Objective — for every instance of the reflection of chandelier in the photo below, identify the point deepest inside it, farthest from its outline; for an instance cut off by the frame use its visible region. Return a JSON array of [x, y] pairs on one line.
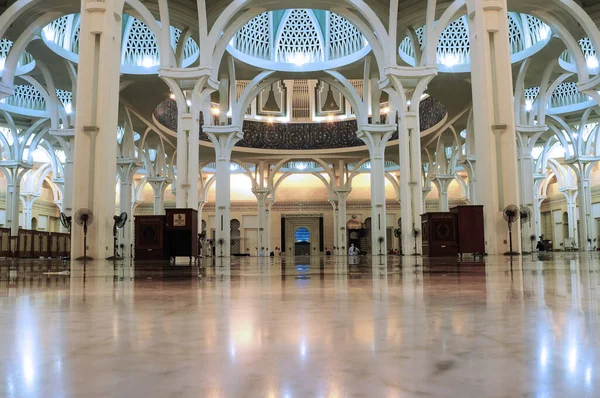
[[354, 223]]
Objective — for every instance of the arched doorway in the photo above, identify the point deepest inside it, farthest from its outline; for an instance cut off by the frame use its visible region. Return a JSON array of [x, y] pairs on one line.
[[302, 242]]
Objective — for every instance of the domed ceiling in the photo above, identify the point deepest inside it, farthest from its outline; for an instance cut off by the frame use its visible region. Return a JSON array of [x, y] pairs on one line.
[[298, 40]]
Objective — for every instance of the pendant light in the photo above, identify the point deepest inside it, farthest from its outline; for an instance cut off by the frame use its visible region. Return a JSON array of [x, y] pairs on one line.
[[330, 104], [271, 104]]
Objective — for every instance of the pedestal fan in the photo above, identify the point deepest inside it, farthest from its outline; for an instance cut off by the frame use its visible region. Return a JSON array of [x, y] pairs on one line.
[[511, 214], [119, 222], [84, 217], [66, 223], [415, 233]]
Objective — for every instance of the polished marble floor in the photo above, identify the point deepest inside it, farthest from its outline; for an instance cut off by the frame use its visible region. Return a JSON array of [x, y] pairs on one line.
[[302, 327]]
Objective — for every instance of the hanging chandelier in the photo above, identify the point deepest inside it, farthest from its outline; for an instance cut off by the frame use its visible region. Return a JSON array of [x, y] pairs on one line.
[[330, 104], [271, 104]]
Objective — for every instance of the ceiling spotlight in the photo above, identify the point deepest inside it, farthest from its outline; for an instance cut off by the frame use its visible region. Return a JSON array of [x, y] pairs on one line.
[[172, 96], [330, 118], [385, 110], [270, 119], [271, 104], [215, 111], [330, 104]]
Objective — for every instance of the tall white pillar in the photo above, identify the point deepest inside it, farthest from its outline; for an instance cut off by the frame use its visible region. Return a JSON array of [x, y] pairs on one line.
[[27, 200], [126, 169], [571, 196], [342, 218], [223, 139], [261, 198], [583, 168], [14, 176], [333, 200], [443, 182], [375, 137], [493, 120], [96, 123], [159, 186]]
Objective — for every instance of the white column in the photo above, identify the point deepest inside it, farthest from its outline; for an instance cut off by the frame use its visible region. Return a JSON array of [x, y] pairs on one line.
[[376, 137], [126, 169], [159, 186], [342, 218], [443, 184], [96, 124], [571, 196], [494, 119], [184, 125], [261, 199], [583, 169], [13, 175], [223, 139], [27, 200], [336, 228]]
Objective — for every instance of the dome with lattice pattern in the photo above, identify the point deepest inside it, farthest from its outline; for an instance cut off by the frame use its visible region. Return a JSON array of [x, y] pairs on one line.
[[298, 40], [139, 50], [527, 35]]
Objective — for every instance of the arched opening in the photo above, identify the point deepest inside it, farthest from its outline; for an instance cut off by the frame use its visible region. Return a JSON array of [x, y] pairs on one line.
[[302, 241]]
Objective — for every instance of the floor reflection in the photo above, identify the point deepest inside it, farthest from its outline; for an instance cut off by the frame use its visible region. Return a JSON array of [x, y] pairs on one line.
[[303, 326]]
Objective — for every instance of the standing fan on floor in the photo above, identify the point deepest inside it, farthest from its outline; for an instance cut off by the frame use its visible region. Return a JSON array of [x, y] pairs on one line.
[[119, 222], [66, 221], [84, 217], [511, 215], [415, 233]]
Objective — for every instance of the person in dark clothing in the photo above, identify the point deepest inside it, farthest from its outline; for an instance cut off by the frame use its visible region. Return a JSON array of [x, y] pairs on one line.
[[540, 246], [272, 254]]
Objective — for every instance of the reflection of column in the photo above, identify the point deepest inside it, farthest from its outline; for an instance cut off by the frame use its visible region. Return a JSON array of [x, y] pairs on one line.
[[376, 137], [223, 139], [493, 119], [96, 124]]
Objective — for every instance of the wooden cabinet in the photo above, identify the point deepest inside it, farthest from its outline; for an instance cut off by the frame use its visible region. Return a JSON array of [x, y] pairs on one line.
[[149, 237], [471, 236], [439, 234], [182, 232]]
